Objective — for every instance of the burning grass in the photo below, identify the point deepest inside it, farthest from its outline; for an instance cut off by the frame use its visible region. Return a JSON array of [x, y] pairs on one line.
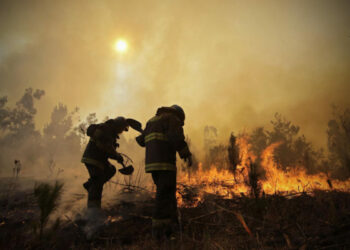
[[253, 175], [257, 204]]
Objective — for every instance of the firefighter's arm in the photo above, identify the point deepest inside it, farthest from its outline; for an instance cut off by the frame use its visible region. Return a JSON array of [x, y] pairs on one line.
[[141, 139], [177, 139], [107, 144]]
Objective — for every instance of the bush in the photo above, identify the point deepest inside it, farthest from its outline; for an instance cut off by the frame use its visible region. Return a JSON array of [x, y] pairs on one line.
[[47, 197]]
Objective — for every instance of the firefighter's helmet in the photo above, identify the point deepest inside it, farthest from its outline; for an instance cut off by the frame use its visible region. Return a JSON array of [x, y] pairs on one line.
[[180, 111], [121, 124]]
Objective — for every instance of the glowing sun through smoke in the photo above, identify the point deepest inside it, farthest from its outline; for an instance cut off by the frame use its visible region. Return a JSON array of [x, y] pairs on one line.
[[121, 46]]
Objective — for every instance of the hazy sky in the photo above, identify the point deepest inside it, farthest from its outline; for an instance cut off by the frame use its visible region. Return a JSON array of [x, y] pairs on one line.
[[230, 64]]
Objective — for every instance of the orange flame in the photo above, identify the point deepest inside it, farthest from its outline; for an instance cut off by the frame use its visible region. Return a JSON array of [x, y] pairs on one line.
[[227, 184]]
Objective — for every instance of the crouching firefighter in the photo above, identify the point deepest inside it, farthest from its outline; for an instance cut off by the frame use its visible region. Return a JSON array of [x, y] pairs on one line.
[[101, 147], [163, 137]]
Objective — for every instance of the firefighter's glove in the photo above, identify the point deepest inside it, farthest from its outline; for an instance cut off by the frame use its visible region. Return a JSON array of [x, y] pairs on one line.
[[189, 160], [141, 140], [119, 158]]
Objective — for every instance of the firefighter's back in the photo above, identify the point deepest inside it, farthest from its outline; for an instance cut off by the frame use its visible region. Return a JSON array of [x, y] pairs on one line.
[[160, 154]]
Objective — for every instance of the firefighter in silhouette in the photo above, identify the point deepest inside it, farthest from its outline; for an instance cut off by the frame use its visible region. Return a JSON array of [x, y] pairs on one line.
[[101, 147], [163, 137]]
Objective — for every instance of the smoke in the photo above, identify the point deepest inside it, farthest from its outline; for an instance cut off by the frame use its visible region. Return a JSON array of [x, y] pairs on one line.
[[29, 155], [230, 64]]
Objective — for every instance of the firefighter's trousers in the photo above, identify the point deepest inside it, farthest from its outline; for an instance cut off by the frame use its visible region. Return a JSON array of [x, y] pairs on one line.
[[98, 177], [165, 211]]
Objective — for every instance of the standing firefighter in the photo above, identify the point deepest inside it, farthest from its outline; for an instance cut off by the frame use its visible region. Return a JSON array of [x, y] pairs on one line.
[[101, 147], [163, 137]]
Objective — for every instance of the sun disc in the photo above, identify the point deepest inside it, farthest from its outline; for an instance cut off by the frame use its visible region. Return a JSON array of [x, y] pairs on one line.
[[121, 46]]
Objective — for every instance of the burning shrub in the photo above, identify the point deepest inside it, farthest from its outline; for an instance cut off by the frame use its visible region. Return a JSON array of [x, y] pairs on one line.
[[253, 180], [339, 142], [214, 154], [294, 150], [259, 140], [233, 153], [217, 156]]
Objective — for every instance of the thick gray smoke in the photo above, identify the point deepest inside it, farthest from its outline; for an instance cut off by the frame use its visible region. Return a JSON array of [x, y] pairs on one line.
[[230, 64]]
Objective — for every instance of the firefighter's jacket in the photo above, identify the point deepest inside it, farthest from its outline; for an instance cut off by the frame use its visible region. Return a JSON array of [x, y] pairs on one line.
[[163, 137], [102, 144]]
